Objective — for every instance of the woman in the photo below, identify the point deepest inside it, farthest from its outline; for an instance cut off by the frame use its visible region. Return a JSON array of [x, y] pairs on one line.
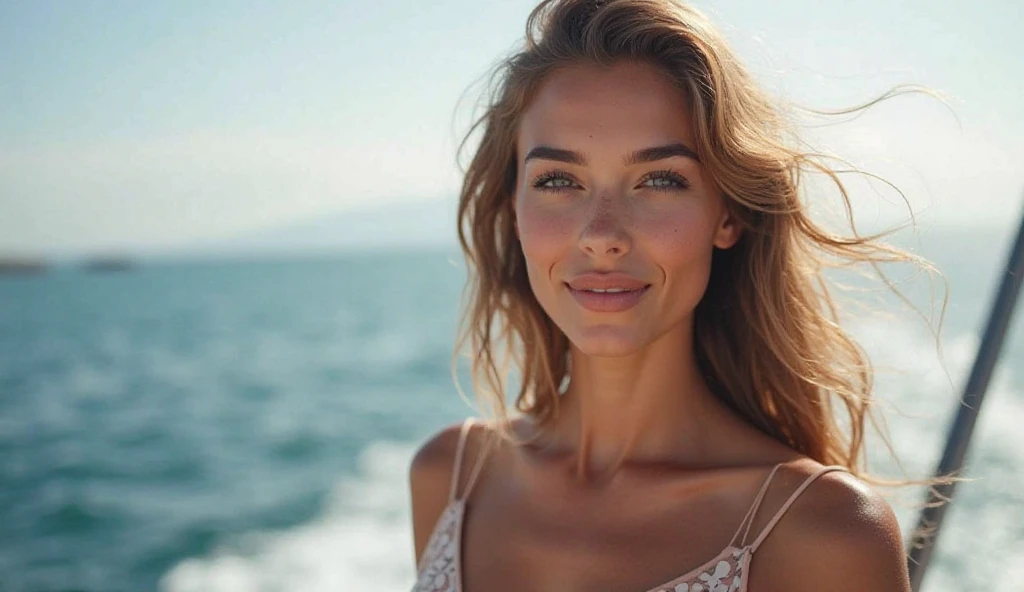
[[639, 250]]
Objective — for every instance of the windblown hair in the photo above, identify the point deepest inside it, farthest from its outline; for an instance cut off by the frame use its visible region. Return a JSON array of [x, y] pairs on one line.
[[767, 334]]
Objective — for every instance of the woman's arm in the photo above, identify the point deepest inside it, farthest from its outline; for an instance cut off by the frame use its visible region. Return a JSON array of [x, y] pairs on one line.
[[841, 536]]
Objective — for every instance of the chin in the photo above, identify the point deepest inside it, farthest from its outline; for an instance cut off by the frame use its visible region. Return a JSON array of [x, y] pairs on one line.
[[607, 341]]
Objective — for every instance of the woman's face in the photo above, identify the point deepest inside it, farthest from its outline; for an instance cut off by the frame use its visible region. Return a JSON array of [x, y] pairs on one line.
[[616, 217]]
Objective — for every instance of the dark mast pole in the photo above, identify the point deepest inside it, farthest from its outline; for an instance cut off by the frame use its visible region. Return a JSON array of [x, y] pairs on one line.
[[974, 393]]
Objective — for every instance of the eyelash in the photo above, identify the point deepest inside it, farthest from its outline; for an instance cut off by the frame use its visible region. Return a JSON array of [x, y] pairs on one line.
[[670, 175]]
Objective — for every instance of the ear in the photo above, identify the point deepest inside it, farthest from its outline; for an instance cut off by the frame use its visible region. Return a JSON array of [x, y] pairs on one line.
[[728, 231]]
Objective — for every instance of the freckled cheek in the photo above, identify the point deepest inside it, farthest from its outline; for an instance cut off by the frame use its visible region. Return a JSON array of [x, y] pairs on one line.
[[545, 235], [682, 246], [676, 240]]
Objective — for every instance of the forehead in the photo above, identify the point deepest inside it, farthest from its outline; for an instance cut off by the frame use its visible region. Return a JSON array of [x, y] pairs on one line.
[[627, 106]]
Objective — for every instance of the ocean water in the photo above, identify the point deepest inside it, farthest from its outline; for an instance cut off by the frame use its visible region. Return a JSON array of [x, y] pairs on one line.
[[247, 426]]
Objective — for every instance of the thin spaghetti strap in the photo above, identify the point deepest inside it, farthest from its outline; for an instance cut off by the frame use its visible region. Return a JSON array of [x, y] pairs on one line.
[[457, 468], [753, 507], [792, 498], [478, 465]]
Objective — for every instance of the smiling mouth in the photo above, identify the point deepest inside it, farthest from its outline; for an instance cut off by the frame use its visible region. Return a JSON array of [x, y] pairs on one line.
[[608, 299]]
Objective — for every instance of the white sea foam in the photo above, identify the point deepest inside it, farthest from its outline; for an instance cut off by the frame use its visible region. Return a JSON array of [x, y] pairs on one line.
[[361, 541]]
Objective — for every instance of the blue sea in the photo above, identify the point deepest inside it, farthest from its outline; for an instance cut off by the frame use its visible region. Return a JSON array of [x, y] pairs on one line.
[[247, 425]]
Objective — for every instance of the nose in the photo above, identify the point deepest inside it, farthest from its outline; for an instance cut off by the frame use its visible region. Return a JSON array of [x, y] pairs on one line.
[[604, 231]]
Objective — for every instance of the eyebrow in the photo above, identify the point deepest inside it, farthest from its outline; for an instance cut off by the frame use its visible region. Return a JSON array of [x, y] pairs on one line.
[[637, 157]]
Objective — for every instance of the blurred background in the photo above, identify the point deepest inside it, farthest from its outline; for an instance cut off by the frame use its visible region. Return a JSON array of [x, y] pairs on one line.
[[230, 280]]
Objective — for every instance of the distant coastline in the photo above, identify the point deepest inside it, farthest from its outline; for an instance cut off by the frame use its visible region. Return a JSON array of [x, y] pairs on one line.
[[108, 264], [32, 266], [22, 266]]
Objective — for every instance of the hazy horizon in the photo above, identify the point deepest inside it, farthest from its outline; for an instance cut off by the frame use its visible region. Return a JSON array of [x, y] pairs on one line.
[[133, 127]]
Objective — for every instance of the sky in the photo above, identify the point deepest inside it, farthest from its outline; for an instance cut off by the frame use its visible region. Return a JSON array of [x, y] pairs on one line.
[[144, 125]]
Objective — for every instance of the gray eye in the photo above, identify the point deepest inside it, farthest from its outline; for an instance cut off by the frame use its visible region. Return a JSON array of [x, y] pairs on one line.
[[660, 182], [558, 182], [665, 181]]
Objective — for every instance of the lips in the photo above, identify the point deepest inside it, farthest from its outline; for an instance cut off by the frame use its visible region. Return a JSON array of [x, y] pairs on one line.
[[606, 281], [607, 292]]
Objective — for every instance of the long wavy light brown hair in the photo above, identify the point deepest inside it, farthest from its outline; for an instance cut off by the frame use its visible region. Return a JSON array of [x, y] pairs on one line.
[[767, 334]]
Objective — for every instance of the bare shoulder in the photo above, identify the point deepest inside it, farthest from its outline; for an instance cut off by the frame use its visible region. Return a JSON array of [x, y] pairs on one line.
[[430, 475], [840, 534], [430, 480], [432, 465]]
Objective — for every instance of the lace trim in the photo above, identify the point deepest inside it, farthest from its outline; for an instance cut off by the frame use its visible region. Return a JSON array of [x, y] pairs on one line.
[[722, 574], [439, 569]]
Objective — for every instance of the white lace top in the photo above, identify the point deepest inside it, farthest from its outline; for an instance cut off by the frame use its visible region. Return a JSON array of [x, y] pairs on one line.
[[440, 568]]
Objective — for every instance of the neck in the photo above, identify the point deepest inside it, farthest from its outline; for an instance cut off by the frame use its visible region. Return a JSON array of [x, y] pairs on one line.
[[651, 406]]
